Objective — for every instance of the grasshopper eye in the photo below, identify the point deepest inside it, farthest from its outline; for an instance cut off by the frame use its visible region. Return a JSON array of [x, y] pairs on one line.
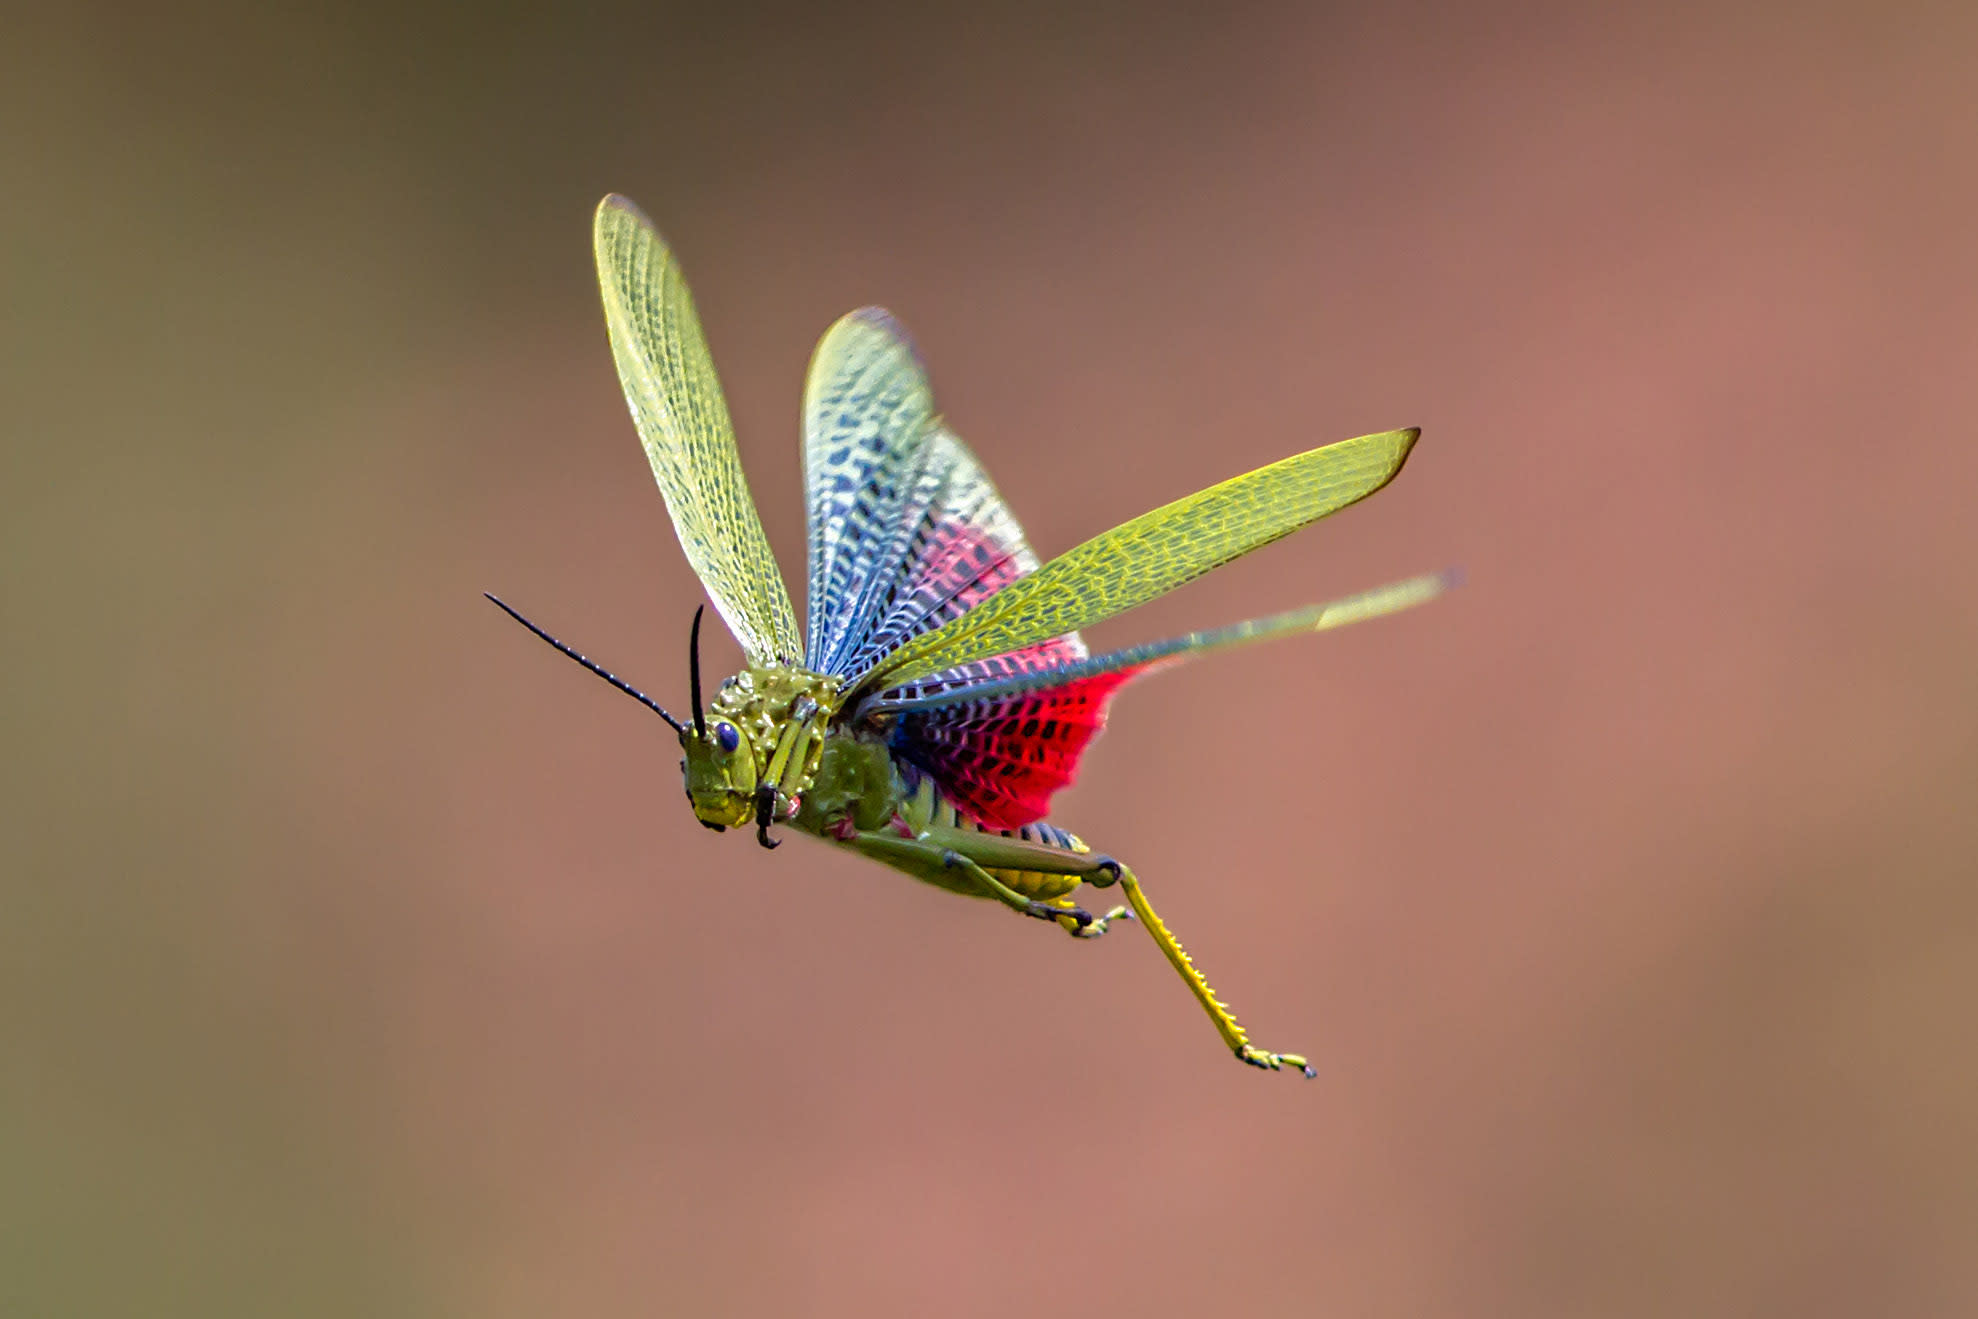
[[726, 737]]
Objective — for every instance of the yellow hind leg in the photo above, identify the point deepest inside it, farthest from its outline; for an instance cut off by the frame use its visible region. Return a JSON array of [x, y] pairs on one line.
[[939, 855], [1233, 1034]]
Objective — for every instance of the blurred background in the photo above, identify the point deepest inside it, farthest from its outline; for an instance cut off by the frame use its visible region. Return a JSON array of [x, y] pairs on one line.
[[359, 955]]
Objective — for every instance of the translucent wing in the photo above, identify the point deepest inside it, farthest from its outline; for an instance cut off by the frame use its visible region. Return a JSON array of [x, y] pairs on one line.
[[962, 686], [906, 529], [868, 480], [1151, 555], [965, 546], [1001, 737], [676, 403]]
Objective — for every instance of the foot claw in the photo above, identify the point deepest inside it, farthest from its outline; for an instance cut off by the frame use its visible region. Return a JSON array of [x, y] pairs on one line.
[[1274, 1062], [1044, 911], [1100, 924]]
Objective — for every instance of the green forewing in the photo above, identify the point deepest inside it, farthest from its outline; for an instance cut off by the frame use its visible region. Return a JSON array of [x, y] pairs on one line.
[[1153, 554], [676, 402]]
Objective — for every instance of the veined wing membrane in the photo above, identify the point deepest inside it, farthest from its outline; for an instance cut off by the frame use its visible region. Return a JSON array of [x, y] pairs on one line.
[[1135, 660], [867, 416], [676, 403], [1146, 558]]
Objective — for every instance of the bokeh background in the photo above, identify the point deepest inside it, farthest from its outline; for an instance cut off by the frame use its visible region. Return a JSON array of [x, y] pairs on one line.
[[359, 956]]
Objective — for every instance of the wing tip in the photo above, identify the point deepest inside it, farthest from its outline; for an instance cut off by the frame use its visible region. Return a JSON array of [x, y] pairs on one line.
[[619, 203], [1384, 452], [617, 221], [884, 322], [1404, 444], [1397, 442]]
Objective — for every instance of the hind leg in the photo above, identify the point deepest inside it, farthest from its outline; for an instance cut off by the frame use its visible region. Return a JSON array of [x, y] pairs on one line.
[[947, 852], [1233, 1034]]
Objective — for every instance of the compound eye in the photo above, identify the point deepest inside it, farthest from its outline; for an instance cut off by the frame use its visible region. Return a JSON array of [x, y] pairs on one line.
[[726, 737]]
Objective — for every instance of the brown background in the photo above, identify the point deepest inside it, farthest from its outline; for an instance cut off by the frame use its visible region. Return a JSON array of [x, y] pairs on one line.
[[359, 956]]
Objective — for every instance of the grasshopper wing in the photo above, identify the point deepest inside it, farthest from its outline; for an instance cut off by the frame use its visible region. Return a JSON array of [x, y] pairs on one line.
[[1151, 555], [676, 402], [906, 529], [1003, 735], [996, 681], [870, 475]]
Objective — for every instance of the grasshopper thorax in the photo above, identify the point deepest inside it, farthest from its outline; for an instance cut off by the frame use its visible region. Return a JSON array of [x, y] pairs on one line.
[[756, 750]]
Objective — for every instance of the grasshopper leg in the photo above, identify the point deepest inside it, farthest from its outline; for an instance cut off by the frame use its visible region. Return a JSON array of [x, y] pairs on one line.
[[1225, 1021], [1061, 909], [1074, 919], [950, 851], [1227, 1026], [1094, 926], [977, 856]]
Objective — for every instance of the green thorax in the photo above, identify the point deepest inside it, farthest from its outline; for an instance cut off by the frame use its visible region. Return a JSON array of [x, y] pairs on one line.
[[856, 787], [762, 701], [778, 716]]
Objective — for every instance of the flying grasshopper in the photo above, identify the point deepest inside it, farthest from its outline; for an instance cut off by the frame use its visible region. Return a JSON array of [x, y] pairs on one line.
[[943, 694]]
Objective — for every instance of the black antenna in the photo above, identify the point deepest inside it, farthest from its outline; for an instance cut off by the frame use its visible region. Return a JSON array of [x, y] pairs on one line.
[[694, 670], [598, 669]]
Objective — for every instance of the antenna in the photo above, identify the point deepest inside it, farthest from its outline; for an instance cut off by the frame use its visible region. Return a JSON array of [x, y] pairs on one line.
[[601, 671], [694, 671]]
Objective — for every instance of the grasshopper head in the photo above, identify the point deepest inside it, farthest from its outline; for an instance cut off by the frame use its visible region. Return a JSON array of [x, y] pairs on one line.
[[762, 742], [720, 764], [720, 770], [754, 754]]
